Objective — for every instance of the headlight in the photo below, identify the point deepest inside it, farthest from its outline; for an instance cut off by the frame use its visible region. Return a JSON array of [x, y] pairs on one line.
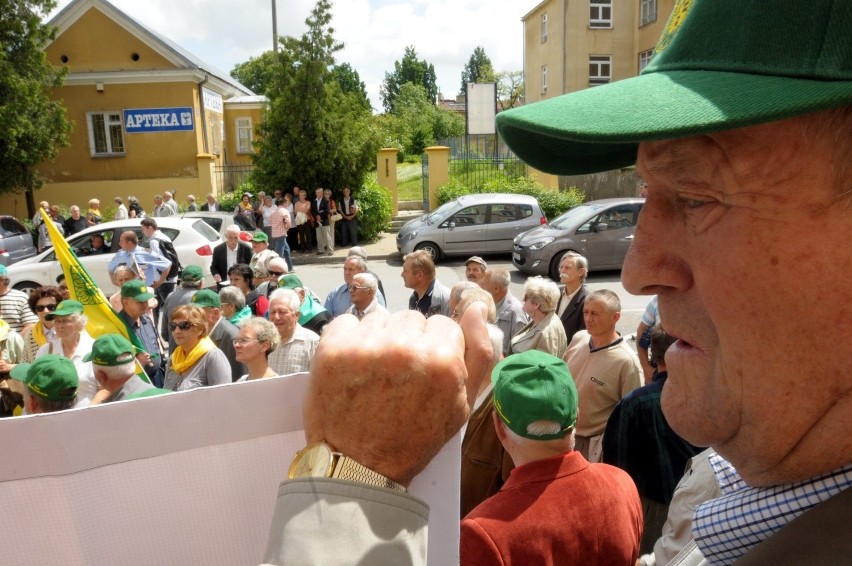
[[410, 236], [541, 243]]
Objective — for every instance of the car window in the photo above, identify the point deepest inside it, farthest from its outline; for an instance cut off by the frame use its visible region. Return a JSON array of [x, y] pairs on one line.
[[526, 210], [214, 221], [11, 227], [503, 213], [622, 216], [82, 246], [574, 215], [205, 230], [470, 216], [442, 211]]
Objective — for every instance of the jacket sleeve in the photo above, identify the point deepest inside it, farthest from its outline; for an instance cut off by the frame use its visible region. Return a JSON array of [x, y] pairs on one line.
[[477, 548]]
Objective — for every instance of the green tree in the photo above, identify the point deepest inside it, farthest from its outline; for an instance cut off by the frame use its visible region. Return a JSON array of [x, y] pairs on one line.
[[416, 122], [477, 70], [510, 88], [409, 70], [350, 83], [315, 134], [32, 126], [257, 72]]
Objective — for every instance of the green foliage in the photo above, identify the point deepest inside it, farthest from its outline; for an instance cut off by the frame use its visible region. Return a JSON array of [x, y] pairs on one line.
[[510, 88], [409, 70], [375, 209], [350, 83], [315, 134], [553, 202], [32, 126], [477, 70], [416, 122], [257, 72]]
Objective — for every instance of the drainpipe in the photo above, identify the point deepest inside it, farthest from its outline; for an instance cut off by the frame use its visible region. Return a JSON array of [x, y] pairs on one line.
[[203, 115]]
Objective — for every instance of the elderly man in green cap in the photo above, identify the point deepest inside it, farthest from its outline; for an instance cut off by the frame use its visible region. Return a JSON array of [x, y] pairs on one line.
[[50, 384], [741, 127], [135, 295], [312, 315], [262, 254], [219, 329], [113, 360]]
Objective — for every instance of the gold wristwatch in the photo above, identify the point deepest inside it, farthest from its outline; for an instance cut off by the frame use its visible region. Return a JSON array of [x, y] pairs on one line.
[[318, 460]]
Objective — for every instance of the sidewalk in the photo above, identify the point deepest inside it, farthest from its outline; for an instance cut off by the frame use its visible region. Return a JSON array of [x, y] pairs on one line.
[[382, 249]]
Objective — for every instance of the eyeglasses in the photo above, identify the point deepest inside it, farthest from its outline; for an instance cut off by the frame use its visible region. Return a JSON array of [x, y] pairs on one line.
[[42, 308], [244, 341], [356, 287], [276, 273], [185, 325]]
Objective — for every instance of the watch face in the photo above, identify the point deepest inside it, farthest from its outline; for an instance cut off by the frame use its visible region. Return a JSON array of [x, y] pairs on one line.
[[313, 461]]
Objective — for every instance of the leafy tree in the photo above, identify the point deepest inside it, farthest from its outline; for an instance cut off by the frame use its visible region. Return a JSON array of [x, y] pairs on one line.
[[32, 126], [510, 88], [409, 70], [416, 122], [477, 70], [315, 134], [350, 83], [256, 73]]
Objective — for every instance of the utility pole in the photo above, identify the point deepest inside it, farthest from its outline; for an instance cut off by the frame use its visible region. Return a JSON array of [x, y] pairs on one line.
[[274, 29]]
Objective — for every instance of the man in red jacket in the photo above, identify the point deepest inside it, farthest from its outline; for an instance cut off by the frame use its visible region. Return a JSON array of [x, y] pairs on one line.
[[556, 508]]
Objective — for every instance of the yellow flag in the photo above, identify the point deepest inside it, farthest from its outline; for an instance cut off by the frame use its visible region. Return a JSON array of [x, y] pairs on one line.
[[102, 319]]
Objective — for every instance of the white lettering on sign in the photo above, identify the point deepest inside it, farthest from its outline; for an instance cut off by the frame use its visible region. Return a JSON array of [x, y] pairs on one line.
[[212, 100]]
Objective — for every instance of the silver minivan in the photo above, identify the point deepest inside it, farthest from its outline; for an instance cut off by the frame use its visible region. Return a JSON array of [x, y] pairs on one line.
[[471, 225], [600, 230], [16, 242]]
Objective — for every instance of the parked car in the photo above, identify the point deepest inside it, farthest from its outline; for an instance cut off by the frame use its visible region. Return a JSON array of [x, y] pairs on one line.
[[193, 239], [600, 230], [471, 224], [219, 221], [16, 242]]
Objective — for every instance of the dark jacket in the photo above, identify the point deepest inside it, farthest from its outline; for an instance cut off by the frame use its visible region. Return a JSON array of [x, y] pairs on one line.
[[572, 318], [219, 265], [320, 213]]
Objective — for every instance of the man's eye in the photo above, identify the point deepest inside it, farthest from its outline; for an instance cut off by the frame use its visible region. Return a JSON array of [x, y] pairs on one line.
[[695, 203]]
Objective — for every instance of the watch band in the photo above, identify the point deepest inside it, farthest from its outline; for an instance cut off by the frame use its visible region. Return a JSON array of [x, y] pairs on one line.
[[348, 469]]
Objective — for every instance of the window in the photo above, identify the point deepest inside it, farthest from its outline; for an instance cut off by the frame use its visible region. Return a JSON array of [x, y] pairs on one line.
[[106, 136], [503, 213], [470, 216], [600, 69], [645, 58], [600, 13], [544, 27], [215, 126], [244, 135], [543, 79], [647, 12]]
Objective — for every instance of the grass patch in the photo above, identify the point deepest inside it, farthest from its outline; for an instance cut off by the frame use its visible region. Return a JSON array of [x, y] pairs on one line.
[[409, 177]]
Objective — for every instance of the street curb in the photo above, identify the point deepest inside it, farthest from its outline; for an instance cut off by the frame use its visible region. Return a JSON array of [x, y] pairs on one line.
[[383, 249]]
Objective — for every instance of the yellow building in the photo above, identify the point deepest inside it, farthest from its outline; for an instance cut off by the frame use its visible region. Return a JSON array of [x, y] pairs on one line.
[[148, 116]]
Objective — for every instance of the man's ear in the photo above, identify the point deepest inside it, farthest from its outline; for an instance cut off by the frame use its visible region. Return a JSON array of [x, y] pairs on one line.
[[498, 426]]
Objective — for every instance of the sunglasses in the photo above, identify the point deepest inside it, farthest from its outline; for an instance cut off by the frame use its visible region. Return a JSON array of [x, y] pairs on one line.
[[42, 308], [276, 273], [185, 325]]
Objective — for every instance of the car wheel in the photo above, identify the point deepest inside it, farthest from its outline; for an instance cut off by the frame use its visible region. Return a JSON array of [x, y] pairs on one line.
[[432, 249], [26, 286]]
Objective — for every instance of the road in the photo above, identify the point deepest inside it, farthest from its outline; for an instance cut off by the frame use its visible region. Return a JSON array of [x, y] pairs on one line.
[[323, 278]]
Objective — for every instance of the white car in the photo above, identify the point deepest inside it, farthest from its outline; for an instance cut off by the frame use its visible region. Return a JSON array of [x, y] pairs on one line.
[[193, 239]]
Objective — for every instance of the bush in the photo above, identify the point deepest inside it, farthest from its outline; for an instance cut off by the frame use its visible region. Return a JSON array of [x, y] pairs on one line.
[[375, 209], [553, 202]]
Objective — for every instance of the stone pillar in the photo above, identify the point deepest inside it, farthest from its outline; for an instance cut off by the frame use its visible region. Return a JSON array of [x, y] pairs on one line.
[[386, 173], [439, 171]]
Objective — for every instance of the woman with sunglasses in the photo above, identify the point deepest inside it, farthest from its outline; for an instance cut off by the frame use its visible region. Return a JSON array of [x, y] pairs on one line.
[[196, 361], [256, 340], [42, 302], [544, 331], [241, 276], [73, 342]]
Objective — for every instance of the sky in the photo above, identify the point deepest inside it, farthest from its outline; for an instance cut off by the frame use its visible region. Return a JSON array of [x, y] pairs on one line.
[[374, 32]]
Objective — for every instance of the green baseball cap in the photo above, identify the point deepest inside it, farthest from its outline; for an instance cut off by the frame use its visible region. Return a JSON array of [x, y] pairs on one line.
[[290, 281], [137, 290], [3, 270], [66, 307], [260, 237], [111, 350], [534, 386], [719, 65], [51, 377], [191, 273], [206, 298]]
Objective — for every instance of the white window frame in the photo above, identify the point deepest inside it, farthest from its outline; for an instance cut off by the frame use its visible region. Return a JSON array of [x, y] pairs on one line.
[[645, 58], [112, 123], [544, 79], [600, 69], [244, 144], [544, 27], [647, 12], [600, 14]]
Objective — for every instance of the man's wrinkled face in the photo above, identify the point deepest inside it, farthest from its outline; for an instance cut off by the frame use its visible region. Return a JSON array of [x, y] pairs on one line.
[[134, 308], [569, 274], [211, 199], [232, 238], [350, 268], [410, 277], [598, 319], [738, 229], [283, 318], [474, 272]]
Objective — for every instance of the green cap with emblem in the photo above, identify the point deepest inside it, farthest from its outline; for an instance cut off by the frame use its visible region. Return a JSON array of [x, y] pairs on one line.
[[191, 274], [534, 386], [206, 298], [111, 350], [137, 290], [260, 237], [719, 65], [51, 377], [66, 307]]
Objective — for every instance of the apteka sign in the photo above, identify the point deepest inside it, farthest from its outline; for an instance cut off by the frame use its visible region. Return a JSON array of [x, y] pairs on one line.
[[139, 120]]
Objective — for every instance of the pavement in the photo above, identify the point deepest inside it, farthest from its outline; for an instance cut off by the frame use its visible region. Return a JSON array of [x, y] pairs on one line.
[[383, 248]]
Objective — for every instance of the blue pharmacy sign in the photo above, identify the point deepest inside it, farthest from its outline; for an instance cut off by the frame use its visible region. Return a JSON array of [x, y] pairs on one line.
[[141, 120]]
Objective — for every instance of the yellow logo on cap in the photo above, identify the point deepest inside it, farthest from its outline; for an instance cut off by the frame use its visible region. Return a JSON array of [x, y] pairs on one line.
[[679, 13]]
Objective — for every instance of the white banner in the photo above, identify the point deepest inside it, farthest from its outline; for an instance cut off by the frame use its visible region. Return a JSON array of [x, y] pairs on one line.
[[183, 478]]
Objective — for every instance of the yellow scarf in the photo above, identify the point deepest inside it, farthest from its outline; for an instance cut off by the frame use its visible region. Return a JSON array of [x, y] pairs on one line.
[[38, 334], [181, 361], [246, 206], [96, 214], [4, 329]]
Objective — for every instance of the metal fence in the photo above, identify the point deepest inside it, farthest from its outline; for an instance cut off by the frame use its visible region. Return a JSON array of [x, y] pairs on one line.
[[228, 178], [474, 160]]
